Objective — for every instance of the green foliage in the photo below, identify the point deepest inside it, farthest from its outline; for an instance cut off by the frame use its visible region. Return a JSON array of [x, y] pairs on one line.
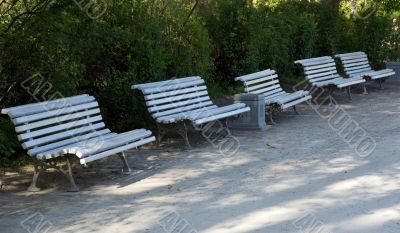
[[140, 41]]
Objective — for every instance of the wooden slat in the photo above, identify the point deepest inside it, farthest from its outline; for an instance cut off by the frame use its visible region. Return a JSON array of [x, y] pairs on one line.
[[256, 75], [165, 83], [222, 116], [178, 104], [91, 147], [53, 113], [47, 106], [174, 92], [216, 111], [57, 128], [176, 86], [260, 80], [273, 83], [117, 150], [177, 98], [65, 142], [183, 115], [57, 120], [62, 135]]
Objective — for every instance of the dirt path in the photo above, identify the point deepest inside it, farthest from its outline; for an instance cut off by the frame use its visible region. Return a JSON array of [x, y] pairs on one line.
[[300, 176]]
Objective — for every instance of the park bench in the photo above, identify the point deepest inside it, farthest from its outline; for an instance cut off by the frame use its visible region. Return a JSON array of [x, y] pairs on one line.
[[357, 65], [174, 103], [321, 72], [56, 131], [267, 83]]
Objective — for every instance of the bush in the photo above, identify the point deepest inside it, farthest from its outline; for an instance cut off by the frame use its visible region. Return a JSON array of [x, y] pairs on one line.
[[139, 41]]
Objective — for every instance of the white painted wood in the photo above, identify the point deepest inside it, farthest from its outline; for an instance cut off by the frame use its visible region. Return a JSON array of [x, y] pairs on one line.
[[182, 109], [48, 106], [58, 128], [183, 115], [174, 92], [56, 120], [62, 135], [61, 144], [176, 98], [257, 75], [158, 89], [222, 116], [178, 104], [165, 83], [296, 102], [92, 147], [357, 64], [271, 85], [53, 113], [117, 150]]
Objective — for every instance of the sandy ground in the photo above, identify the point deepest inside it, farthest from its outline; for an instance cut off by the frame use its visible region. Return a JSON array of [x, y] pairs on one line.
[[299, 176]]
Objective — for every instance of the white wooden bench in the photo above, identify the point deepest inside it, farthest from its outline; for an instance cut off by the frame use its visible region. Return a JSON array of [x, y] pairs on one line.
[[55, 130], [357, 65], [173, 103], [321, 72], [267, 83]]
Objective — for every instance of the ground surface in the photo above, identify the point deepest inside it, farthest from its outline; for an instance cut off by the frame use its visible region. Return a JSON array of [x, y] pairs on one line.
[[299, 176]]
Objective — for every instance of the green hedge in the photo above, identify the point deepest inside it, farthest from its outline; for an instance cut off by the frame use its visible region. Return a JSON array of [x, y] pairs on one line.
[[142, 41]]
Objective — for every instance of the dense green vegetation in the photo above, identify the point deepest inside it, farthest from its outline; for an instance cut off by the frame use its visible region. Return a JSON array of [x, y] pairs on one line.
[[106, 47]]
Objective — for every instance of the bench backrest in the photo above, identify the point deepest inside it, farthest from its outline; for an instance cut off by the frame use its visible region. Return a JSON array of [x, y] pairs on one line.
[[319, 69], [56, 123], [264, 82], [354, 63], [175, 96]]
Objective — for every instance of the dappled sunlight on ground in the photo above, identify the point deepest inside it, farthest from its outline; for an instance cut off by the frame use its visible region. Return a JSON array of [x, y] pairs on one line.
[[297, 176]]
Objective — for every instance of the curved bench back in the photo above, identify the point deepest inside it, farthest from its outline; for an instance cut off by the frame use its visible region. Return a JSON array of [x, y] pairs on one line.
[[354, 63], [264, 82], [175, 96], [48, 125], [319, 69]]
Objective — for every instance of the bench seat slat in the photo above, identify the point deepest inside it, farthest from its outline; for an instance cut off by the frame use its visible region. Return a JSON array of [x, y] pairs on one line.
[[69, 141], [222, 115], [183, 115], [182, 109], [62, 135], [100, 144], [117, 150]]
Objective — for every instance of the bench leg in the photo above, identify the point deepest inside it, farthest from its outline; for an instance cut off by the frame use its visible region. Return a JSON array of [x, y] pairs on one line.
[[161, 134], [33, 187], [295, 110], [330, 94], [180, 129], [269, 114], [126, 169], [380, 84], [348, 90], [184, 133], [365, 91], [68, 174]]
